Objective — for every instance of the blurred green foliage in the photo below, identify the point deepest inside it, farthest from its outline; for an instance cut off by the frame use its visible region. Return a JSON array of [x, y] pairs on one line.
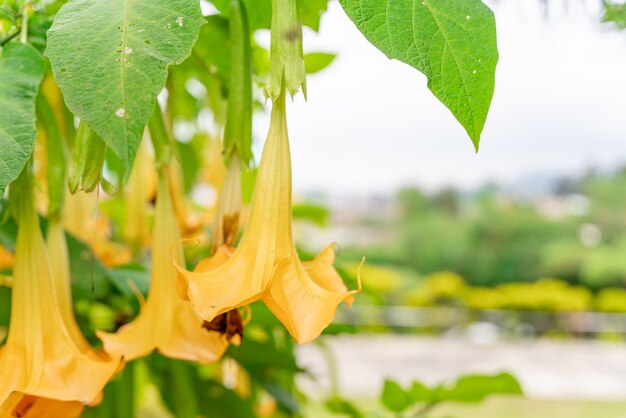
[[419, 400], [615, 13], [577, 232]]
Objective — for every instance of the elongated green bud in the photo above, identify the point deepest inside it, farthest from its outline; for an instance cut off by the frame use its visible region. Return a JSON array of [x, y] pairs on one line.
[[238, 129], [57, 156], [286, 57], [87, 160], [21, 196]]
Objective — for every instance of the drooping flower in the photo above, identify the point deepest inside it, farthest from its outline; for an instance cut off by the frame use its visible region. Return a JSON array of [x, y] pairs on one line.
[[303, 296], [166, 323], [27, 406], [45, 355]]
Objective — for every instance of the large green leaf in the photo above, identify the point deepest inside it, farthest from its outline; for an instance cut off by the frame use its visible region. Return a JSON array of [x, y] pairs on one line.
[[110, 59], [21, 71], [453, 42]]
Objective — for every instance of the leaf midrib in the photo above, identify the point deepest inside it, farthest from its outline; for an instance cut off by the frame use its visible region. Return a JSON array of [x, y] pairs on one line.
[[123, 71], [456, 62]]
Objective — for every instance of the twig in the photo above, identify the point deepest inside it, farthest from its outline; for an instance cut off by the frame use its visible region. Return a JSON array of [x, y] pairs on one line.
[[6, 40]]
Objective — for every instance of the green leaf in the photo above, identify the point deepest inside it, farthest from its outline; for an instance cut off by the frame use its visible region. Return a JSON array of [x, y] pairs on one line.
[[394, 397], [86, 269], [218, 402], [316, 61], [5, 306], [615, 13], [473, 389], [259, 12], [311, 12], [419, 393], [118, 398], [285, 398], [317, 214], [254, 354], [21, 71], [130, 278], [212, 48], [453, 42], [342, 407], [110, 59]]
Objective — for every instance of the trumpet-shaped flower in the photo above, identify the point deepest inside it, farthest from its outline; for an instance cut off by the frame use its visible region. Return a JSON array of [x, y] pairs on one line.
[[45, 355], [27, 406], [303, 296], [166, 323]]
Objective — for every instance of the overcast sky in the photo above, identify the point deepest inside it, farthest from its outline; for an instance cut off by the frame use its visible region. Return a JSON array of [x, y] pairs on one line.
[[371, 125]]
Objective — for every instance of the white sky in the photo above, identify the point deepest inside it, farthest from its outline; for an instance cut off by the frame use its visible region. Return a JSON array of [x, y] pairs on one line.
[[371, 125]]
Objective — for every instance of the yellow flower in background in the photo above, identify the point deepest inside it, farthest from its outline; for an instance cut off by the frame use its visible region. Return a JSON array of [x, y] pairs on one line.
[[45, 355], [138, 192], [188, 221], [226, 223], [214, 169], [166, 323], [6, 258], [303, 296], [82, 219]]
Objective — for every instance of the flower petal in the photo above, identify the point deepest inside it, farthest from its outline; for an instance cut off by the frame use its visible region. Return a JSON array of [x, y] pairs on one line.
[[305, 296], [244, 277]]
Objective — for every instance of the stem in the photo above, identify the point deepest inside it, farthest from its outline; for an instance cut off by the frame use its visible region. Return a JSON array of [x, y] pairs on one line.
[[160, 138], [24, 31], [6, 40], [421, 412], [333, 370]]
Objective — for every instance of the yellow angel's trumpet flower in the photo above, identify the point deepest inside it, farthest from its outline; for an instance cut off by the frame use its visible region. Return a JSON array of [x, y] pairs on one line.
[[303, 296], [45, 355], [27, 406], [166, 323]]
